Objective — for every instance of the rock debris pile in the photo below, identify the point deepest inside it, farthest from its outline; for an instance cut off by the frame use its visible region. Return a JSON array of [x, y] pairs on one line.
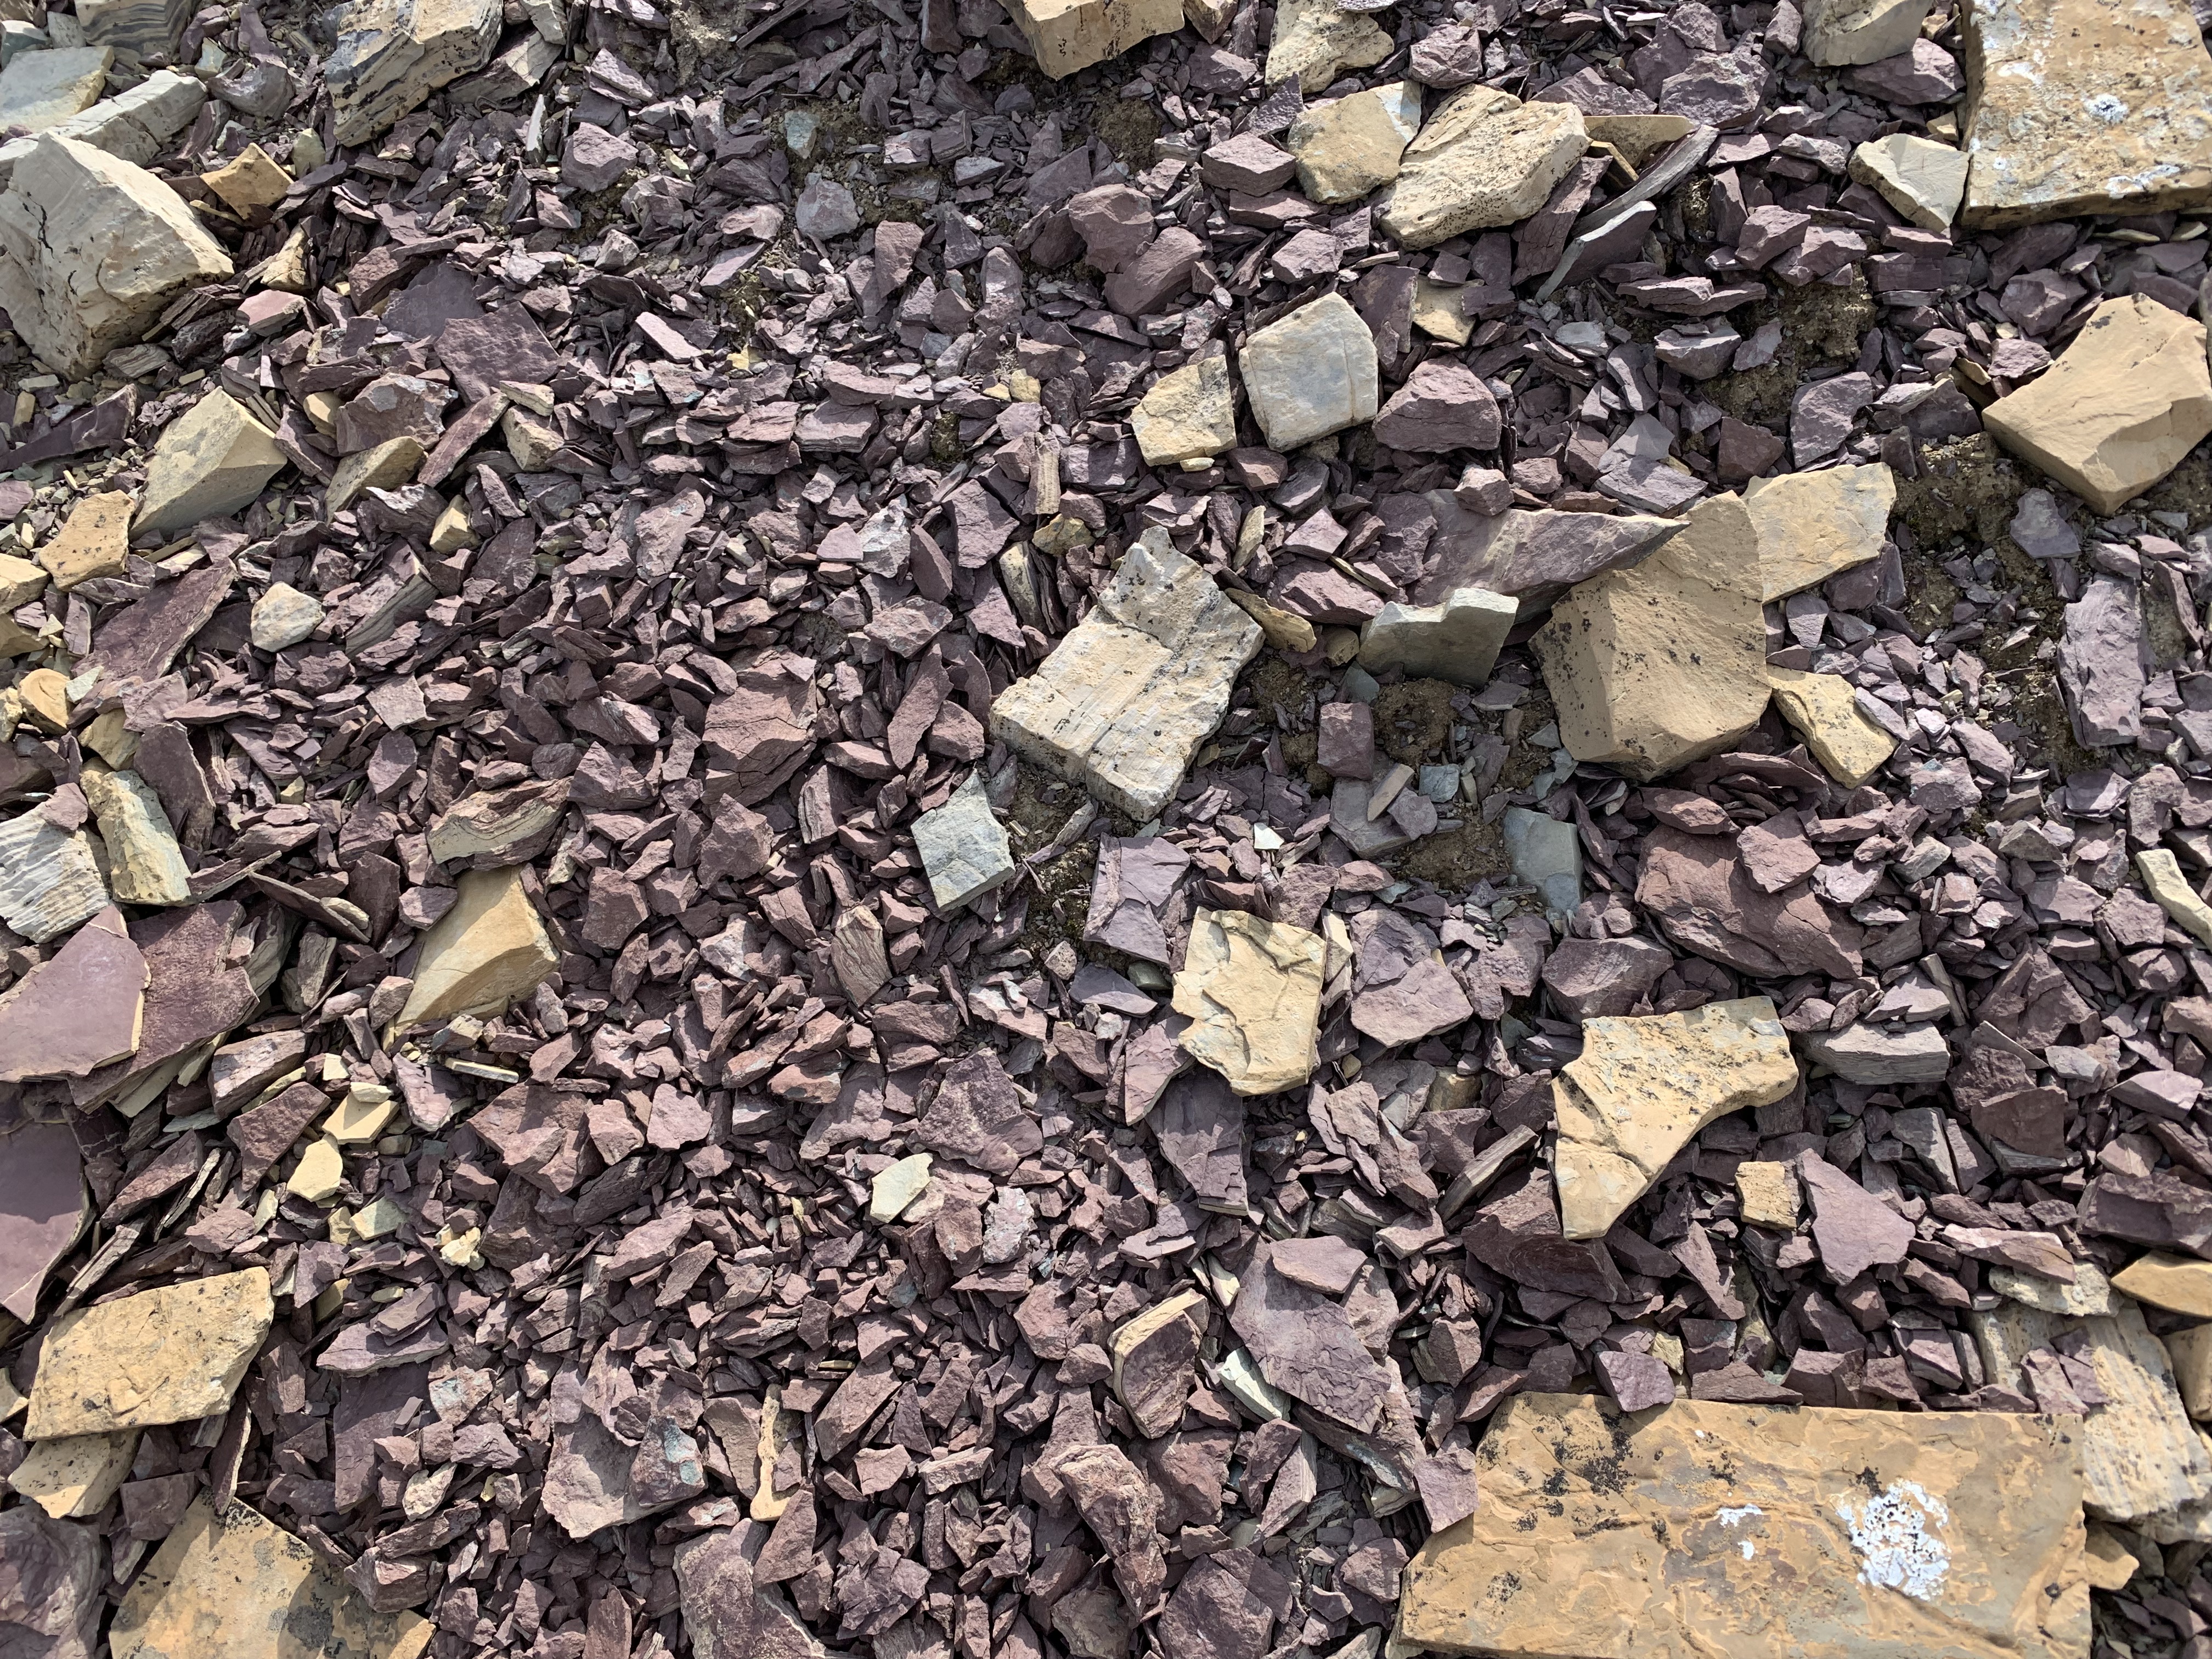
[[932, 830]]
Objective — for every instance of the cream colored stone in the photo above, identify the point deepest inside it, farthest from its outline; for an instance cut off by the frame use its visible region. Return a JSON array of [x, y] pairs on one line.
[[242, 1588], [2179, 1283], [1436, 311], [453, 531], [1838, 31], [211, 461], [93, 250], [1923, 180], [533, 442], [2127, 399], [317, 1176], [2143, 1462], [892, 1189], [1665, 662], [2162, 875], [1483, 159], [393, 54], [1813, 525], [1285, 630], [145, 865], [1311, 373], [1189, 414], [1636, 138], [282, 617], [21, 582], [2088, 1297], [44, 692], [1824, 710], [1067, 35], [1457, 639], [249, 180], [1125, 700], [390, 465], [2077, 107], [1766, 1195], [137, 125], [487, 950], [2110, 1564], [1642, 1087], [171, 1355], [42, 90], [1316, 42], [1252, 992], [1699, 1530], [73, 1478], [361, 1115], [2189, 1352], [1349, 146]]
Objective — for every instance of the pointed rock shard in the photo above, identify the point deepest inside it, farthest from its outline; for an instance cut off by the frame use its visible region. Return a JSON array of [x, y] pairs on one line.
[[49, 882], [1707, 1528], [93, 249], [1153, 1355], [1852, 1228], [1252, 992], [210, 460], [1642, 1087], [1483, 159], [2127, 399], [1126, 699], [163, 1355], [78, 1011], [1824, 710], [1311, 373], [393, 54], [1840, 32], [1813, 525], [483, 953]]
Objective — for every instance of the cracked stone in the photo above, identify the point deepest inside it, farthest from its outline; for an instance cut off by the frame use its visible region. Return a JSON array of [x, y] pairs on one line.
[[1252, 991], [1483, 159]]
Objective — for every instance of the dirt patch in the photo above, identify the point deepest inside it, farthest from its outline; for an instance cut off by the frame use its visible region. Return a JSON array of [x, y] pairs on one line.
[[1457, 858], [1130, 127], [1414, 721], [2187, 489], [1968, 490], [1930, 592], [1279, 691], [1821, 327]]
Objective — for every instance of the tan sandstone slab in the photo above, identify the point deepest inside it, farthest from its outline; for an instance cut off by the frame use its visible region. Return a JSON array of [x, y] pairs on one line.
[[1824, 710], [145, 865], [1252, 992], [239, 1586], [210, 460], [1188, 415], [1067, 35], [2180, 1283], [2127, 399], [1350, 146], [72, 1479], [1698, 1530], [1642, 1087], [1664, 663], [94, 541], [1125, 699], [1485, 159], [1316, 42], [170, 1355], [487, 950], [2079, 107], [1813, 525], [393, 54]]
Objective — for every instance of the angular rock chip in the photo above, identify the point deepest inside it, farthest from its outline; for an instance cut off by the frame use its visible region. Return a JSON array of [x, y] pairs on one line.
[[42, 90], [2126, 400], [1874, 1054], [145, 865], [50, 1585], [1153, 1355], [393, 54], [1923, 179], [1307, 1346], [1311, 373], [1852, 1228], [93, 250], [1252, 992], [495, 828], [1121, 1508], [1316, 42], [1350, 146], [136, 126], [72, 1479], [1442, 406], [1813, 525], [1067, 35], [1841, 31], [94, 541], [1824, 710], [168, 1355], [977, 1116], [211, 461], [1456, 639], [1188, 415], [44, 1210], [1707, 1528], [78, 1011], [1126, 697], [1484, 159], [1534, 557], [1642, 1087], [489, 948], [963, 847]]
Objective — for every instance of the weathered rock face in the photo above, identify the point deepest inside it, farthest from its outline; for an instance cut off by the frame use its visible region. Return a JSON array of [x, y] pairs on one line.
[[1824, 710], [135, 125], [1641, 1088], [2126, 401], [1153, 1355], [94, 541], [163, 1355], [1350, 146], [1923, 179], [2180, 1283], [393, 54], [1457, 639], [91, 251], [1189, 414], [40, 90], [1838, 31], [1129, 694], [2075, 107], [1252, 992], [1663, 664], [1700, 1528], [1067, 35], [1311, 373], [487, 950], [1316, 42], [53, 1577], [1484, 159], [1813, 525], [211, 459], [136, 28]]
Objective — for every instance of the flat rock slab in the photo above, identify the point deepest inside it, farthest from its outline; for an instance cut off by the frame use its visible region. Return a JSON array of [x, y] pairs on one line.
[[42, 90], [2082, 107], [1124, 702], [486, 950], [393, 54], [1484, 159], [1311, 373], [1252, 992], [1813, 525], [171, 1355], [1699, 1528]]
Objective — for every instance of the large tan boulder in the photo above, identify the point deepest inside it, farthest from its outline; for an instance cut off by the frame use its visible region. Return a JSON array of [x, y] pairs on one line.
[[93, 249], [171, 1355], [2123, 403], [481, 954], [1485, 159], [1813, 525], [1664, 663]]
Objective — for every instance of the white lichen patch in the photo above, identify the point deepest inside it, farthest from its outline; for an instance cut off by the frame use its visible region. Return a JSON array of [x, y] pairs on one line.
[[1891, 1535]]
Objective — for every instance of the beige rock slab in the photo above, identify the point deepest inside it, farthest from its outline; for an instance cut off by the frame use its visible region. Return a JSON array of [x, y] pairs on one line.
[[1824, 710], [49, 880], [1067, 35], [393, 54], [211, 461], [1767, 1194], [1125, 700], [1316, 42], [2191, 1353], [2077, 107], [390, 465], [170, 1355], [2127, 399], [95, 541], [2176, 895], [1483, 159], [239, 1587], [73, 1478], [2180, 1283], [1700, 1530], [1350, 146], [1838, 32], [145, 865], [1436, 311], [1642, 1087], [894, 1188], [250, 180], [1457, 639], [136, 126], [2144, 1464], [1311, 373], [316, 1177], [1663, 663], [42, 90], [2110, 1563], [1189, 414], [1252, 992], [93, 249], [1813, 525], [1923, 179], [487, 950], [21, 582]]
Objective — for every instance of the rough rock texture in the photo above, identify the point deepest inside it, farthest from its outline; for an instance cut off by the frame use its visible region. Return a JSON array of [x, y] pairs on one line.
[[1456, 639], [1813, 525], [1066, 35], [2124, 402], [1641, 1088], [486, 950], [211, 461], [40, 90], [1840, 32], [1317, 41], [1349, 146], [1484, 158], [1128, 696], [1704, 1527], [1252, 992], [393, 54], [1923, 179], [93, 249], [162, 1355], [1311, 373], [962, 847], [1823, 709], [1188, 415], [2078, 108]]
